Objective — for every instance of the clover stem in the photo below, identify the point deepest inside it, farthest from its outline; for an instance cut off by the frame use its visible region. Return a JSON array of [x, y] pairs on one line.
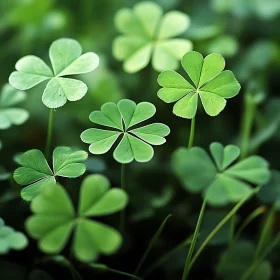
[[167, 256], [122, 214], [257, 212], [265, 232], [232, 229], [103, 267], [192, 133], [251, 269], [151, 244], [194, 239], [217, 228], [246, 124], [49, 136]]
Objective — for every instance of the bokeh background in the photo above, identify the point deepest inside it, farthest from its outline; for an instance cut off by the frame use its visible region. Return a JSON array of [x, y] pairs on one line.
[[245, 32]]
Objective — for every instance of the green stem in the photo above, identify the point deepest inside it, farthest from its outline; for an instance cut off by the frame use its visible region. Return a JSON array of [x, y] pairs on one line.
[[153, 241], [103, 267], [258, 211], [246, 124], [192, 133], [122, 217], [217, 228], [252, 268], [265, 232], [194, 239], [49, 137], [232, 229], [167, 256]]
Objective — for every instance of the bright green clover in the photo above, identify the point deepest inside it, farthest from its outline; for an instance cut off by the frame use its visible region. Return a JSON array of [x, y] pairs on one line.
[[66, 59], [148, 33], [35, 172], [10, 115], [11, 239], [206, 79], [121, 117], [54, 219], [219, 180]]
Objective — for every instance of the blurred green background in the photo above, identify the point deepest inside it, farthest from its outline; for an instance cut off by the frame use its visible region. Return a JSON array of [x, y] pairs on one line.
[[245, 32]]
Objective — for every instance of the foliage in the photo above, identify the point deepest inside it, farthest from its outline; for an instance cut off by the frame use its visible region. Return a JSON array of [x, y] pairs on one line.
[[54, 218], [11, 239], [208, 81], [239, 258], [148, 34], [35, 172], [134, 143], [10, 115], [66, 59], [219, 181]]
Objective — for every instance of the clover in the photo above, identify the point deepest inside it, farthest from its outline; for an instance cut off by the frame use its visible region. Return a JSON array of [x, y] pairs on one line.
[[149, 35], [11, 239], [35, 172], [122, 117], [206, 79], [66, 59], [220, 181], [55, 219], [10, 115]]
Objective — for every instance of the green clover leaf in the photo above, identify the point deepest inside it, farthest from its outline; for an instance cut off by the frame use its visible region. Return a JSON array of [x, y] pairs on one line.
[[207, 80], [10, 115], [148, 34], [54, 218], [121, 117], [35, 172], [11, 239], [66, 59], [220, 181], [238, 258]]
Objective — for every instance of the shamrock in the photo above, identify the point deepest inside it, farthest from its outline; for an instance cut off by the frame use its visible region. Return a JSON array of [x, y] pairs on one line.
[[11, 239], [220, 182], [208, 80], [54, 218], [10, 115], [35, 172], [134, 143], [147, 33], [66, 59]]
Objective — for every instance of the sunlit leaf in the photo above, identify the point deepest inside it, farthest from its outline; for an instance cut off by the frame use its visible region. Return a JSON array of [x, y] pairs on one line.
[[36, 173], [66, 59], [209, 82], [134, 143]]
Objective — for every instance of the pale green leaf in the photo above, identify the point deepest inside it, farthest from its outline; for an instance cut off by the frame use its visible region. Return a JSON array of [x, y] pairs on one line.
[[101, 140], [31, 71], [168, 53], [153, 133], [123, 153], [187, 106], [148, 15], [59, 90], [138, 60], [212, 103], [173, 24]]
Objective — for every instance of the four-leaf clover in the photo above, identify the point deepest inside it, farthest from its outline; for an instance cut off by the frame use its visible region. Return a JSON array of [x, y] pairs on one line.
[[66, 59], [220, 181], [11, 239], [147, 33], [10, 115], [54, 218], [135, 142], [35, 172], [207, 80]]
